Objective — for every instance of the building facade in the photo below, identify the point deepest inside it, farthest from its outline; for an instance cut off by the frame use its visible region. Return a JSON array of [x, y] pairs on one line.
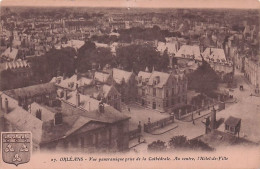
[[161, 91]]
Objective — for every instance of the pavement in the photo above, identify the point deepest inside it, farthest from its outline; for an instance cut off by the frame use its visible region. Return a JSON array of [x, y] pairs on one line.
[[250, 120]]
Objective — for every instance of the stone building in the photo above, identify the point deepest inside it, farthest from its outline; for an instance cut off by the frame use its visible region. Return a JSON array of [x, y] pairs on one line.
[[161, 91], [78, 124], [125, 83], [252, 71]]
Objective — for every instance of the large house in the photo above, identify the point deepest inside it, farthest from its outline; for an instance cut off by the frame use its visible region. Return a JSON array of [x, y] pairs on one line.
[[162, 91], [75, 123]]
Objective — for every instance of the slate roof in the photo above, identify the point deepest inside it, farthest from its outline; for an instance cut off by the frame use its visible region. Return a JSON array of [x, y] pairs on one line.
[[163, 78], [119, 75], [70, 83], [101, 77], [31, 91], [16, 64], [232, 121], [170, 46], [216, 55], [187, 51], [110, 114], [11, 54]]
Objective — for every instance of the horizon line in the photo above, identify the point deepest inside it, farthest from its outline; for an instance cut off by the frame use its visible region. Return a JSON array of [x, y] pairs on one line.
[[153, 4]]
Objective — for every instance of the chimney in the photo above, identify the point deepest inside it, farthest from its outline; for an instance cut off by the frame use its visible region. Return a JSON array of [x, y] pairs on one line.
[[6, 105], [213, 119], [101, 107], [65, 94], [77, 99]]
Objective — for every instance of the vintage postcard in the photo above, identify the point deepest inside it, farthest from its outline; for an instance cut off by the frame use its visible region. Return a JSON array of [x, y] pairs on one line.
[[130, 84]]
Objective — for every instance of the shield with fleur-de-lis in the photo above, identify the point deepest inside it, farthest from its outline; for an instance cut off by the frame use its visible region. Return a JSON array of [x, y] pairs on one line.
[[16, 147]]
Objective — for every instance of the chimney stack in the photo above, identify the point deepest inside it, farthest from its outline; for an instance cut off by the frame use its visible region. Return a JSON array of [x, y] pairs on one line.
[[63, 76], [1, 106], [213, 119], [65, 94], [101, 107], [77, 99], [6, 105]]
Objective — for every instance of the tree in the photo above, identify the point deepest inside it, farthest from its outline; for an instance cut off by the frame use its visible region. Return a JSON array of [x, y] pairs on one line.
[[181, 142], [197, 144], [157, 146], [137, 57], [204, 79], [178, 142], [163, 61]]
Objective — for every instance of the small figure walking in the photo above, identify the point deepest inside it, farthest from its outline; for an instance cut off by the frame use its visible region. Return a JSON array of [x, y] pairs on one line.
[[129, 109]]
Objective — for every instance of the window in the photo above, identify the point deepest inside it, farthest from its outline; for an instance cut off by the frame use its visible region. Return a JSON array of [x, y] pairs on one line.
[[227, 127], [172, 101], [172, 91], [179, 99], [143, 92], [39, 114], [58, 119], [167, 93], [115, 96], [166, 104], [232, 129], [109, 98], [154, 91]]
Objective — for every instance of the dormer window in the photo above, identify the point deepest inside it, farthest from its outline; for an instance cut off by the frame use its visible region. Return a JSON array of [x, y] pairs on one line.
[[58, 119], [39, 114]]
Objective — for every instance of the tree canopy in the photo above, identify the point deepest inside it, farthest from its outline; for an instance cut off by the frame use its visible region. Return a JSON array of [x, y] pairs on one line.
[[137, 57], [204, 79]]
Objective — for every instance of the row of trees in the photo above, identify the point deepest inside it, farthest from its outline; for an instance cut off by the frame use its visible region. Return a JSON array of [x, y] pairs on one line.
[[179, 143]]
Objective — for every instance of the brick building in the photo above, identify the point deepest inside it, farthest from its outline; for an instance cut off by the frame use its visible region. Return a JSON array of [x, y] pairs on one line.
[[78, 123]]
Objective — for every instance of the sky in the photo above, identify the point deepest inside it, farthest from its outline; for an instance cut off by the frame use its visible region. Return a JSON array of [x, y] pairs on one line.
[[239, 4]]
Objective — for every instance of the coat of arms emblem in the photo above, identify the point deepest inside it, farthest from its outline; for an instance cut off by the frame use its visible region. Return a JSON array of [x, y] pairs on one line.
[[16, 147]]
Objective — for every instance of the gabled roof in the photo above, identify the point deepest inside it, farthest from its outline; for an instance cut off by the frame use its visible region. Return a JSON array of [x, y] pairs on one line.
[[101, 77], [11, 54], [162, 76], [16, 64], [215, 55], [25, 121], [187, 51], [31, 91], [170, 46], [232, 121], [144, 75], [70, 83], [86, 102], [119, 75]]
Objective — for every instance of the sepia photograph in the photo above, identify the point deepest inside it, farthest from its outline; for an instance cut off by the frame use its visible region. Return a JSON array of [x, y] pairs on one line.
[[130, 84]]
